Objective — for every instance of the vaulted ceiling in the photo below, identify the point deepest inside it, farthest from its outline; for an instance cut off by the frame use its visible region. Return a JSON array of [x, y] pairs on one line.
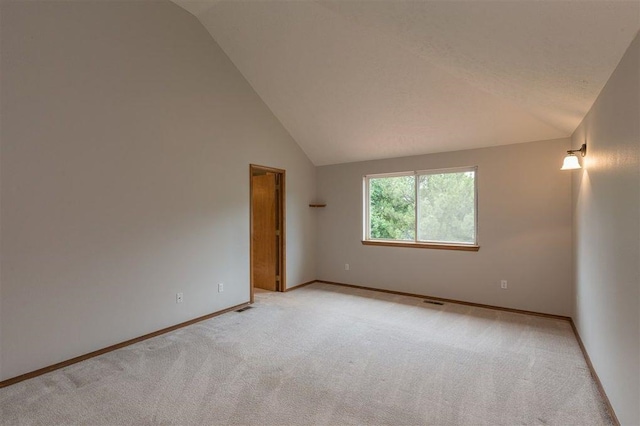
[[361, 80]]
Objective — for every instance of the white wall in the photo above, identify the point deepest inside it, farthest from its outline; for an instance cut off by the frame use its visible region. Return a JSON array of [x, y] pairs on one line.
[[606, 196], [126, 139], [524, 231]]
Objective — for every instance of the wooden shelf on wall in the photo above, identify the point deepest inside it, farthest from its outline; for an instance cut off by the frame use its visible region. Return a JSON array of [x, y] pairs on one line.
[[317, 205]]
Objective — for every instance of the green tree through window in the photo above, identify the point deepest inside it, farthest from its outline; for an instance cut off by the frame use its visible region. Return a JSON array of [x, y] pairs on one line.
[[445, 210], [392, 208], [446, 207]]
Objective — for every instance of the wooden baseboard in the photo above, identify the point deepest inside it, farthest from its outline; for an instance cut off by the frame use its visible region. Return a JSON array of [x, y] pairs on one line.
[[459, 302], [93, 354], [596, 379], [111, 348], [605, 398], [301, 285]]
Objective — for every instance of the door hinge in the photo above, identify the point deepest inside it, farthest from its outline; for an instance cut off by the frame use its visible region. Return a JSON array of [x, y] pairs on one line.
[[277, 232], [277, 277]]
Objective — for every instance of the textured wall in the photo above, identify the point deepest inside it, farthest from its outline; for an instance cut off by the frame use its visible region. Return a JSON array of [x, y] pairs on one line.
[[126, 141], [606, 196], [524, 231]]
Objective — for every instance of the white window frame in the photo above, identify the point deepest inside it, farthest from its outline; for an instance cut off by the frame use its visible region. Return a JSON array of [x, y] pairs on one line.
[[367, 240]]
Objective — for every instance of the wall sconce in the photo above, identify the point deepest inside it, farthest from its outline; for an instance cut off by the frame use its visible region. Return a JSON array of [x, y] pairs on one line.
[[571, 160]]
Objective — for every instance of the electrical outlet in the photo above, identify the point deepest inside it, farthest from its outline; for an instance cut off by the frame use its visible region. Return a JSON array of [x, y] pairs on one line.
[[220, 287], [179, 297], [503, 284], [346, 266]]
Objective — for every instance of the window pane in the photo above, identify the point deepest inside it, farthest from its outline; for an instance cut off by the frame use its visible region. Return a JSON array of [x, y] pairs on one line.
[[392, 208], [446, 207]]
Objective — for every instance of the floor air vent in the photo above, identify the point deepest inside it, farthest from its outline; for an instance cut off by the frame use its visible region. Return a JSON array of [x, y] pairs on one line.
[[244, 309], [433, 302]]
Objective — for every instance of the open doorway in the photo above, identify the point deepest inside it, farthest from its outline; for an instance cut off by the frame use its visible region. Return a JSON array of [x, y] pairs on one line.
[[267, 227]]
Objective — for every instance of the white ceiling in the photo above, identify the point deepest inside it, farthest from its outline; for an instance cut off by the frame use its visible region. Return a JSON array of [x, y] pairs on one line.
[[361, 80]]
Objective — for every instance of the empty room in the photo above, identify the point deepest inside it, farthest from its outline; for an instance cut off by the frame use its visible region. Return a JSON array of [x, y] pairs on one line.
[[300, 212]]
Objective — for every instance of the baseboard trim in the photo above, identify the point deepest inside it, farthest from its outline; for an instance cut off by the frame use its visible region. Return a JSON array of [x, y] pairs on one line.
[[112, 348], [605, 398], [301, 285], [62, 364], [459, 302], [594, 375]]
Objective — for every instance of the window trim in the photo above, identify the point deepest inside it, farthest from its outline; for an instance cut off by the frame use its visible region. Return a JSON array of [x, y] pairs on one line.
[[442, 245], [411, 244]]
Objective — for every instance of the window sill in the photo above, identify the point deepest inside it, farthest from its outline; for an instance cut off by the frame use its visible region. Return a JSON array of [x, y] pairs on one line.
[[437, 246]]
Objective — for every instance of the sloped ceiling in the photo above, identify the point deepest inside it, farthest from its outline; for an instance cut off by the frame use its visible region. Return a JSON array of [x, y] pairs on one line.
[[361, 80]]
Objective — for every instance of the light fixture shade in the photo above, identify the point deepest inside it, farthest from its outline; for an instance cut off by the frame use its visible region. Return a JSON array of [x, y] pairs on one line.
[[570, 162]]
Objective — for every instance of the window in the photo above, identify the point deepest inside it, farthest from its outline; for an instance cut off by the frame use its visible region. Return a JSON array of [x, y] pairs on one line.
[[432, 208]]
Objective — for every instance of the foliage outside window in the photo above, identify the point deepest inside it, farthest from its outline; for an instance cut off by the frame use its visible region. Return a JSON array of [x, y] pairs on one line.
[[434, 206]]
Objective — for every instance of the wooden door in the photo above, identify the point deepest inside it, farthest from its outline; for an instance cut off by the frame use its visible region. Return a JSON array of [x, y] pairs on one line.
[[265, 248]]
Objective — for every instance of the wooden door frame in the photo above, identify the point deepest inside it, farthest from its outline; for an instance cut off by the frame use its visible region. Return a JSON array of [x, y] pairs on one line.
[[280, 204]]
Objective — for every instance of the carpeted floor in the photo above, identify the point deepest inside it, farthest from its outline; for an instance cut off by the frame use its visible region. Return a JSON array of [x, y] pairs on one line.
[[328, 355]]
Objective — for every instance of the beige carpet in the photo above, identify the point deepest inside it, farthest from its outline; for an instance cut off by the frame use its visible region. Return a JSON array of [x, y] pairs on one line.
[[328, 355]]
